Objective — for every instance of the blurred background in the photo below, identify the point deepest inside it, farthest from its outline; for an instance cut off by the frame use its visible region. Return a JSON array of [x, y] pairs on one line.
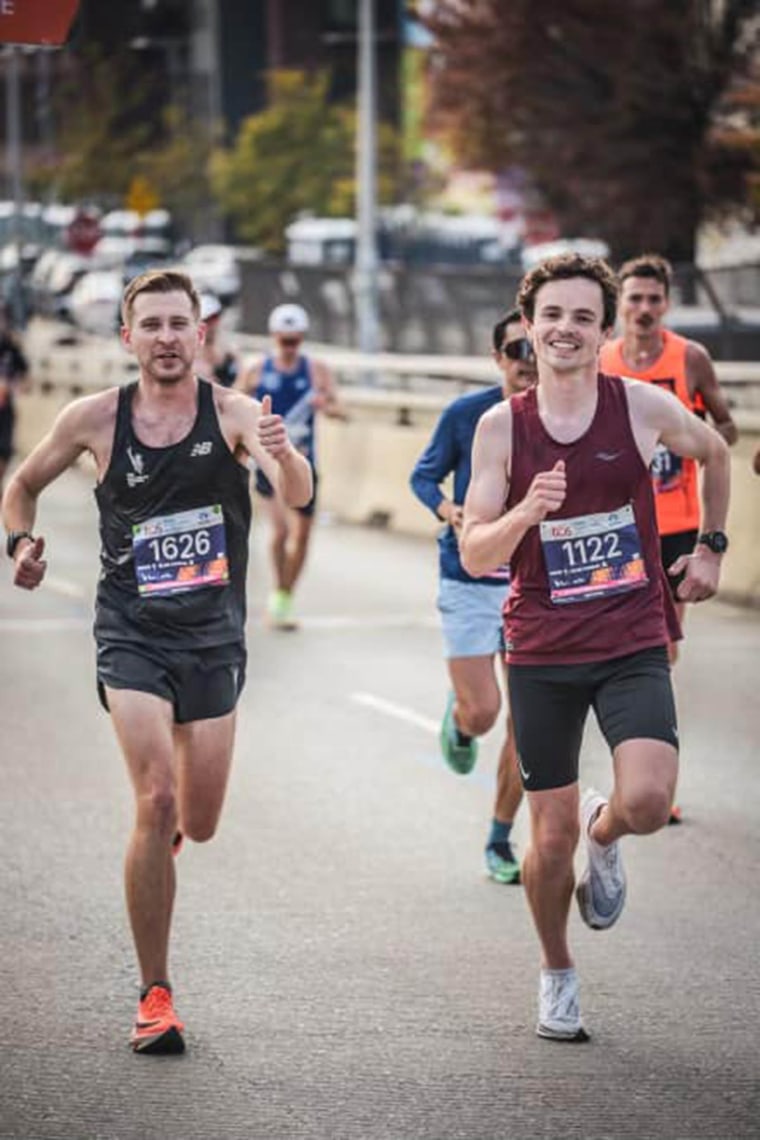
[[230, 136]]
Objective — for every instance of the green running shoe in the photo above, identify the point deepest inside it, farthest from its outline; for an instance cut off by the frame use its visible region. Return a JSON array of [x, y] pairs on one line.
[[501, 863], [279, 608], [459, 757]]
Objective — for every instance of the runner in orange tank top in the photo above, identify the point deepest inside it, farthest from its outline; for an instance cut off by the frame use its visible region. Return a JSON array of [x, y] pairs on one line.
[[647, 351]]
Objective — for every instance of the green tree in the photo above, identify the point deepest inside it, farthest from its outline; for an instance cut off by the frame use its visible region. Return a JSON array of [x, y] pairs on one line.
[[296, 156], [180, 170], [623, 114], [101, 129]]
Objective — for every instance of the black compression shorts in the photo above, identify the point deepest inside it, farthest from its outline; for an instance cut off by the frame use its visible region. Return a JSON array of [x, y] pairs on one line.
[[672, 546], [632, 698], [199, 684]]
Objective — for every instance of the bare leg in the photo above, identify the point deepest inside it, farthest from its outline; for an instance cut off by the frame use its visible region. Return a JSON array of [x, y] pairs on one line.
[[278, 541], [204, 757], [299, 534], [143, 725], [547, 870], [645, 780], [477, 693], [509, 789]]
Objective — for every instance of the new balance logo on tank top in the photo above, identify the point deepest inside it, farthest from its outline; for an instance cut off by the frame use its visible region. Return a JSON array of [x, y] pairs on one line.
[[292, 394], [174, 525], [587, 584]]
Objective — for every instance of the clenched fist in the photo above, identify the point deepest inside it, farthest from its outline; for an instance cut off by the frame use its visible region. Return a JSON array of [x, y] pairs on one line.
[[546, 493]]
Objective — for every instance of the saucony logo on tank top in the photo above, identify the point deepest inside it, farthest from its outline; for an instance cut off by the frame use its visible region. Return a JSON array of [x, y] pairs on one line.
[[587, 583]]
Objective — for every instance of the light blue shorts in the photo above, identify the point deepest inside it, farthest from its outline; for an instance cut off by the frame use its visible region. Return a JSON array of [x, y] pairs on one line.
[[471, 617]]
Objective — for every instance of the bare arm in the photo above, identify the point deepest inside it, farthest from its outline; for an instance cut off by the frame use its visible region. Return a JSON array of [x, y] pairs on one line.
[[326, 397], [701, 378], [658, 416], [263, 436], [69, 437], [490, 535], [248, 377]]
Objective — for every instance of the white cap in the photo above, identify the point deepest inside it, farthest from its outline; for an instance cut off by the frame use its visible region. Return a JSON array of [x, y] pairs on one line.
[[211, 306], [288, 319]]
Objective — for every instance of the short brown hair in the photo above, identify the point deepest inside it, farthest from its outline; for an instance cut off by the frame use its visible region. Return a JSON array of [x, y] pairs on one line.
[[562, 267], [159, 281], [648, 265]]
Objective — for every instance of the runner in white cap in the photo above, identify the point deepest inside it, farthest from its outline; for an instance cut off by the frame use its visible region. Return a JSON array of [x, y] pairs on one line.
[[299, 387]]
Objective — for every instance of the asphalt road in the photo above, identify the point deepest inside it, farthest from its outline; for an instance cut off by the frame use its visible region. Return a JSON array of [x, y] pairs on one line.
[[344, 967]]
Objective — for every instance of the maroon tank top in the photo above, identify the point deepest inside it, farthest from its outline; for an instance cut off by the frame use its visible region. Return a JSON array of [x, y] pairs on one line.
[[588, 583]]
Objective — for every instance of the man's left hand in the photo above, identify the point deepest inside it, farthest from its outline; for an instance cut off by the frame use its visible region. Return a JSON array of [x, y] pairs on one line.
[[702, 573]]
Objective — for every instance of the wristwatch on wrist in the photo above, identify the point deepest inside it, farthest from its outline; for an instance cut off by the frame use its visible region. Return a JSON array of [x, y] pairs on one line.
[[14, 538], [714, 540]]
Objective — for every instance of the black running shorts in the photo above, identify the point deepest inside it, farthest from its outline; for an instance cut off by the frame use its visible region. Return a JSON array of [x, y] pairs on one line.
[[631, 696], [672, 546], [266, 490], [199, 684]]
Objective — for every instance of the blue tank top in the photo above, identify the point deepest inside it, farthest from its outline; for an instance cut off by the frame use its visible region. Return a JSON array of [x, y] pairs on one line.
[[292, 394]]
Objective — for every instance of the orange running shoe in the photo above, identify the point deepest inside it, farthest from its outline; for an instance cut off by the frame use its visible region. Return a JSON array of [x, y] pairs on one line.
[[157, 1028]]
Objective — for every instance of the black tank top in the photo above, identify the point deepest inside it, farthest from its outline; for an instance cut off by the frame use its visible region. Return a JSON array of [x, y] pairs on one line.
[[174, 526]]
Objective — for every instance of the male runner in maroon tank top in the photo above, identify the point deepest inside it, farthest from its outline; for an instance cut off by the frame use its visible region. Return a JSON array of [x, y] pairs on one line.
[[561, 489]]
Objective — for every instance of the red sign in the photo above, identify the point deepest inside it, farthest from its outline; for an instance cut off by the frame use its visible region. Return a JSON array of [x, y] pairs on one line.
[[36, 21]]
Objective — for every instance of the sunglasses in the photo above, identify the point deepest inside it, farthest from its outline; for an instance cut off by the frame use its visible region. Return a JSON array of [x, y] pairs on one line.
[[520, 349], [290, 341]]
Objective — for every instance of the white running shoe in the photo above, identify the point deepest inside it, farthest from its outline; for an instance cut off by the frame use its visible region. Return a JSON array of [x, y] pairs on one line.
[[559, 1016], [601, 887]]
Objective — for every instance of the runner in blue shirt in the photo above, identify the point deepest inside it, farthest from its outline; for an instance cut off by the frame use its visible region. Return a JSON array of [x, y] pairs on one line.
[[470, 607], [299, 387]]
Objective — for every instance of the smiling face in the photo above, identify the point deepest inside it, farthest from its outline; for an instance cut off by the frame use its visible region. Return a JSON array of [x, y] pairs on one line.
[[566, 329], [163, 334]]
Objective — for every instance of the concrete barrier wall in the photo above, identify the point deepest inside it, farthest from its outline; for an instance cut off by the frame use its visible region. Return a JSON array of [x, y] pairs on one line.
[[365, 463]]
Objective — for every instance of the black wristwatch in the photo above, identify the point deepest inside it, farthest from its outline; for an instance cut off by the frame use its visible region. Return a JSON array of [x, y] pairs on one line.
[[714, 540], [14, 538]]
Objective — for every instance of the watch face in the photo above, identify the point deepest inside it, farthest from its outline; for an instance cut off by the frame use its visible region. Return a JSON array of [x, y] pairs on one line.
[[719, 542]]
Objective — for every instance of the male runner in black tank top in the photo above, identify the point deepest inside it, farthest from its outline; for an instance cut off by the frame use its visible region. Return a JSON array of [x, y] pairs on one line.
[[560, 489], [171, 454]]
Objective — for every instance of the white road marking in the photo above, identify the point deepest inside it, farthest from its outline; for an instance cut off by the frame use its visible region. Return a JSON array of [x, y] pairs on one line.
[[400, 712], [63, 587], [370, 621], [43, 625]]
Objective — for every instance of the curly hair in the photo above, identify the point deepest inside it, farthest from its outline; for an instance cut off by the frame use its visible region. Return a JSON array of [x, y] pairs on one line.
[[562, 267]]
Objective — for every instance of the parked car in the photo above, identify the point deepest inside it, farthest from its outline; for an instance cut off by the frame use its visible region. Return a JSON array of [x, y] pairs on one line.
[[214, 269], [94, 301]]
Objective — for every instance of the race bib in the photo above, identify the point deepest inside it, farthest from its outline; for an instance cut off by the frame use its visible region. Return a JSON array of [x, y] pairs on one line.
[[180, 552], [666, 469], [593, 556]]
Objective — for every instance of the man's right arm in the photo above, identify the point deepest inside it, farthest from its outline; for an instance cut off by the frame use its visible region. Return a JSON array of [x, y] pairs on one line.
[[66, 441], [437, 461], [490, 535]]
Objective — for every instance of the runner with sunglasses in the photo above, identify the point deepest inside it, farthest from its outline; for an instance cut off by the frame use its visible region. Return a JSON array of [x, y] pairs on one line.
[[299, 387], [471, 608]]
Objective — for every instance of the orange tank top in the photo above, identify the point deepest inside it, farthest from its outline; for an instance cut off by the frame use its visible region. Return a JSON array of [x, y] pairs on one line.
[[674, 478]]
